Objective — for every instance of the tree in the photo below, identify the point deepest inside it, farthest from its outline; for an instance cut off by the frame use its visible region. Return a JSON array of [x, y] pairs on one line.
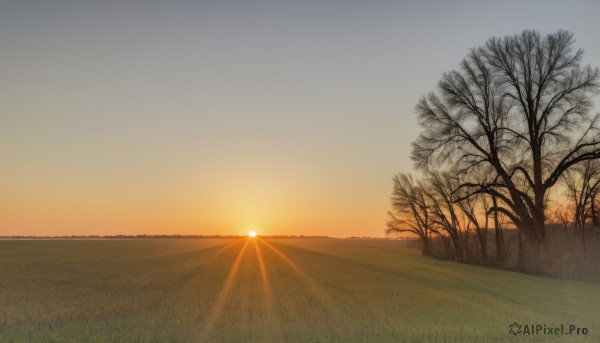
[[410, 210], [469, 207], [518, 109], [583, 183], [446, 216], [561, 215]]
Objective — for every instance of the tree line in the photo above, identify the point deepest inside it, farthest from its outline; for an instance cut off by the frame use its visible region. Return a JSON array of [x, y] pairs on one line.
[[509, 140]]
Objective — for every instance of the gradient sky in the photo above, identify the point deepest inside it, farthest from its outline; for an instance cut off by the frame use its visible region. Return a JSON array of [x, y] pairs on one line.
[[212, 117]]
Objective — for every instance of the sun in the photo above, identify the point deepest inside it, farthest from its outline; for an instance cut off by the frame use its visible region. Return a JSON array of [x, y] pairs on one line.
[[252, 234]]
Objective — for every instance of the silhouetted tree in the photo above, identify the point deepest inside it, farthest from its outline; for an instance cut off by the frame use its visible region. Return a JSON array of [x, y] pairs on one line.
[[410, 210], [561, 215], [474, 209], [519, 109], [446, 216], [583, 183]]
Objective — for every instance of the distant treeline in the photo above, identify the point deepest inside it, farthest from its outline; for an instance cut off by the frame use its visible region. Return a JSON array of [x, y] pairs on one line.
[[161, 237]]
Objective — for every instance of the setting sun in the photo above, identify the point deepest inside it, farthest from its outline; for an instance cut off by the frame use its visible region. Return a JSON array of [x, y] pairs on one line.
[[252, 234]]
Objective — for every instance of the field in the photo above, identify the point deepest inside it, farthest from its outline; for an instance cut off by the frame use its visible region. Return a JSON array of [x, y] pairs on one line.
[[258, 290]]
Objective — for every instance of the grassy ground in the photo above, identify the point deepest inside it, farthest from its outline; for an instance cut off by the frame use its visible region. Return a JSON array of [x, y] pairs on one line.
[[276, 290]]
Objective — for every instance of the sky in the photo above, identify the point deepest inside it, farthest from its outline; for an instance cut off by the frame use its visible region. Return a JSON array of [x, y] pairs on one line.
[[218, 117]]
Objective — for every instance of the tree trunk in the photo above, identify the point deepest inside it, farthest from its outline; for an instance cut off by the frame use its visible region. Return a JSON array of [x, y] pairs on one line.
[[539, 220], [499, 236], [583, 239], [521, 261], [595, 220], [457, 247], [426, 246], [539, 217], [483, 242]]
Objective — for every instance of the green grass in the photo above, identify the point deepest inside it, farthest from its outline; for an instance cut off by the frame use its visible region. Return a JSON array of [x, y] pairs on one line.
[[314, 291]]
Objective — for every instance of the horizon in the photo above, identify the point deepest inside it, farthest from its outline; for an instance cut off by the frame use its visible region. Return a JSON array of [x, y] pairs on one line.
[[175, 236], [219, 119]]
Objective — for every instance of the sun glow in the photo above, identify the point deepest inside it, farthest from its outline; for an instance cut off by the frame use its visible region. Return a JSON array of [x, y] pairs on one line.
[[252, 234]]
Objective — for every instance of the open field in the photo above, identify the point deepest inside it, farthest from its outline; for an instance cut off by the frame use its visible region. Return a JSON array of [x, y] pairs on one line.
[[271, 290]]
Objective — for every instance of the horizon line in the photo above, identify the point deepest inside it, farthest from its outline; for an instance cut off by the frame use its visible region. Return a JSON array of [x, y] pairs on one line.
[[159, 236]]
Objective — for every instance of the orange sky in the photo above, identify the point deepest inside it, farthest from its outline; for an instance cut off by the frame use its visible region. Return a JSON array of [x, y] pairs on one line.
[[208, 118]]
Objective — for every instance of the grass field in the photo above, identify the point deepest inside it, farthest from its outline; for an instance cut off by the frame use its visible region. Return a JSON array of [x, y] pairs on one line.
[[261, 290]]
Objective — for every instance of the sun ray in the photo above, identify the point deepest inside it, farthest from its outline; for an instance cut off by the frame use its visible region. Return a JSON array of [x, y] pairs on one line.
[[327, 301], [222, 250], [313, 288], [217, 308], [284, 257], [265, 279], [177, 250]]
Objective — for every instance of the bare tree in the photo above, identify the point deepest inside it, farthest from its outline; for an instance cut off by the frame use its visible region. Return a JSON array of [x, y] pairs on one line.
[[446, 216], [594, 209], [562, 216], [472, 208], [518, 108], [583, 183], [410, 210]]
